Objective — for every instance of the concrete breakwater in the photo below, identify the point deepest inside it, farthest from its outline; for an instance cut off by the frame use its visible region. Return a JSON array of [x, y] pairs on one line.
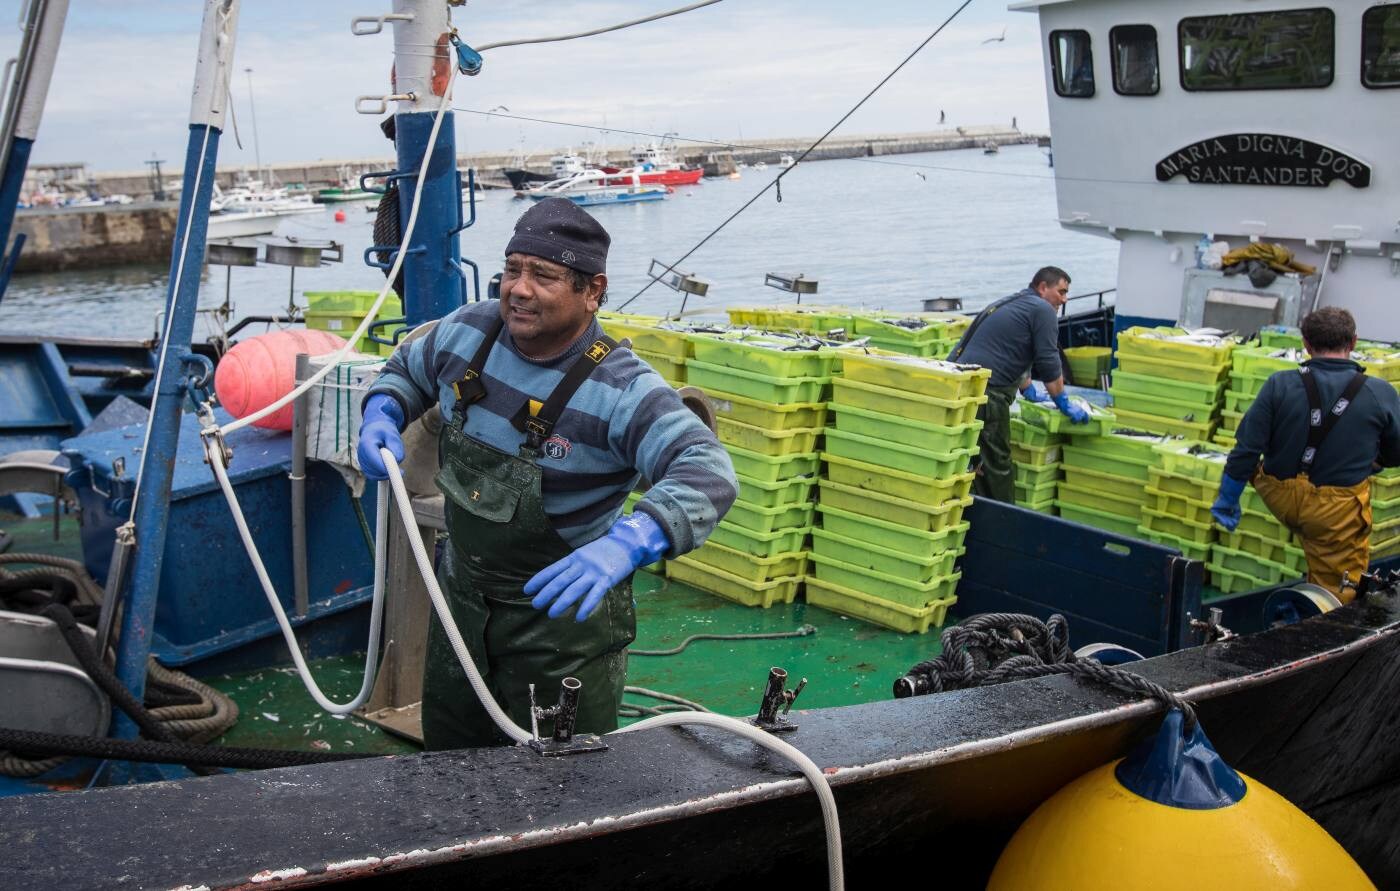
[[58, 238]]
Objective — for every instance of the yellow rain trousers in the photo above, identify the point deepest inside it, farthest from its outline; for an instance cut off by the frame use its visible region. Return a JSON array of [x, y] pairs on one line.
[[1333, 521]]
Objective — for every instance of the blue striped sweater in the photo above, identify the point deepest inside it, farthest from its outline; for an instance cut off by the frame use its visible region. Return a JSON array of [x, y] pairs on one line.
[[624, 421]]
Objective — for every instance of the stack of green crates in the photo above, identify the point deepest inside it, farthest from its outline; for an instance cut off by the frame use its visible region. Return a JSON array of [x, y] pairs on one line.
[[1036, 454], [1167, 386], [665, 346], [1385, 513], [895, 489], [1088, 365], [1249, 368], [926, 334], [1181, 486], [1105, 479], [770, 408], [1261, 551], [812, 318], [341, 312]]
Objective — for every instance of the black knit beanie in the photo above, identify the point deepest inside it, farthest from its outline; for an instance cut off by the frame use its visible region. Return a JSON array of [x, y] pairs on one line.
[[559, 230]]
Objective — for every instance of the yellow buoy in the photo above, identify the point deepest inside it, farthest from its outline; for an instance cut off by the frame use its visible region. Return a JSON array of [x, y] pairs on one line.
[[1172, 815]]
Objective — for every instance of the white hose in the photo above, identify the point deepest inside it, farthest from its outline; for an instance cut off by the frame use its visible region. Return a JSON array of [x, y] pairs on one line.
[[454, 636], [809, 768], [214, 452], [339, 355], [836, 876]]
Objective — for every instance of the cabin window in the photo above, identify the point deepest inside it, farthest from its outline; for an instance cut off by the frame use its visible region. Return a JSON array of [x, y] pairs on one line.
[[1291, 49], [1073, 63], [1380, 46], [1135, 70]]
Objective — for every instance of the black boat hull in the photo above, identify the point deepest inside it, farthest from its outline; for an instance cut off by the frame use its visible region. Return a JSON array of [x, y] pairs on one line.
[[943, 781]]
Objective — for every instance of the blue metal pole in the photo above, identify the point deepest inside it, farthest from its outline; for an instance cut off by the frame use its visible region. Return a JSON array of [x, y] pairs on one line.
[[10, 183], [158, 460], [433, 283]]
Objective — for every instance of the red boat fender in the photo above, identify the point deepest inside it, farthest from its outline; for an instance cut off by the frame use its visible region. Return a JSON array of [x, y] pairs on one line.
[[260, 370]]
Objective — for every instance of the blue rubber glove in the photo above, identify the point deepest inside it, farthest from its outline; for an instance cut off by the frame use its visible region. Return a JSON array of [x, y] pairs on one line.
[[589, 572], [1075, 414], [380, 428], [1226, 509], [1032, 393]]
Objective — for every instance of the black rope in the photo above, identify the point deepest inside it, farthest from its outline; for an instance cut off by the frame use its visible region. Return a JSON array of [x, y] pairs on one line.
[[774, 183], [35, 742], [993, 648]]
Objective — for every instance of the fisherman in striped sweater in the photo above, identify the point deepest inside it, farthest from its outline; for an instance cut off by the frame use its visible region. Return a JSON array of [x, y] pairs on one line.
[[548, 424]]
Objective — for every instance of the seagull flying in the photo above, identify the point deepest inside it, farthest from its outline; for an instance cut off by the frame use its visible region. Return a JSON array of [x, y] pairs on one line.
[[920, 176], [996, 39]]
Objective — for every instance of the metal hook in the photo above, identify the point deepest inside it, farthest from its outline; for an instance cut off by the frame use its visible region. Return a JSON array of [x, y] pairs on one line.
[[376, 22]]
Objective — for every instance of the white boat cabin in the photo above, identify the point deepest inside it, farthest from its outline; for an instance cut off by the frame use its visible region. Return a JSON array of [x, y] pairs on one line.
[[1247, 120]]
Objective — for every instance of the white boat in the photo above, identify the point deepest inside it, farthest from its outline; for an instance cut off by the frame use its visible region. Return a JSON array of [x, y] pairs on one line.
[[787, 160], [759, 166], [253, 195], [242, 223], [593, 187]]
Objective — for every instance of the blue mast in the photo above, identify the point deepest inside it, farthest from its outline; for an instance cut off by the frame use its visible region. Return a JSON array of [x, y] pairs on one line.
[[175, 365], [43, 28]]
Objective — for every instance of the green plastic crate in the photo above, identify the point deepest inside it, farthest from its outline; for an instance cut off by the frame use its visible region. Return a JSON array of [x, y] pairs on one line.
[[761, 387], [1087, 364], [1178, 527], [916, 570], [905, 539], [1230, 420], [757, 518], [1140, 341], [1247, 384], [1284, 553], [1238, 403], [1198, 460], [1264, 525], [892, 427], [648, 333], [1386, 484], [1257, 361], [1172, 369], [341, 312], [1189, 549], [1030, 435], [759, 544], [863, 475], [1224, 438], [671, 369], [770, 469], [1122, 442], [768, 354], [1202, 395], [1103, 520], [885, 613], [747, 566], [1280, 337], [1035, 456], [929, 377], [1245, 563], [1037, 496], [1125, 487], [1131, 507], [774, 443], [1036, 474], [883, 585], [885, 327], [1078, 457], [1050, 418], [914, 406], [732, 587], [902, 512], [1174, 409], [1233, 582], [910, 459], [1197, 490], [1384, 511], [783, 492], [1195, 430], [1184, 509], [767, 415]]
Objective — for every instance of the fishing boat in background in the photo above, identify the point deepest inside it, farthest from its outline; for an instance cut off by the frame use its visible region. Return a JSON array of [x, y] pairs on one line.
[[653, 164], [560, 167], [593, 187], [990, 148], [347, 189]]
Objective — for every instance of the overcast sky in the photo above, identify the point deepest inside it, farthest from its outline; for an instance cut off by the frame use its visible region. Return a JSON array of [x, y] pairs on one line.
[[750, 68]]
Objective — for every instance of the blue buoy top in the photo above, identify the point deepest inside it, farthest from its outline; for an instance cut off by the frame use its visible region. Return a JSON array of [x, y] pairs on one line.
[[1180, 769]]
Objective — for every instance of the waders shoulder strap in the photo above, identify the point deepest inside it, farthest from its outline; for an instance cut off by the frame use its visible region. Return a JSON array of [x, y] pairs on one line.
[[1320, 423], [538, 426], [977, 323], [469, 388]]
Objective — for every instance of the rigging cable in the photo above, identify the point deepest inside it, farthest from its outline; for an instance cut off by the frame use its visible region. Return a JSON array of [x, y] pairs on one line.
[[775, 182], [596, 31]]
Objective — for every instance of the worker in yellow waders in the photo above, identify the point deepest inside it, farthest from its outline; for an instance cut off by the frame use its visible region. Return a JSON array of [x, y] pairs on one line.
[[1321, 431], [547, 425]]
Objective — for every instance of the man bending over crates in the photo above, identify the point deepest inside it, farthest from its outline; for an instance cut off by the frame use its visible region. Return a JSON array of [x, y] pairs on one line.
[[1018, 338], [548, 424], [1321, 430]]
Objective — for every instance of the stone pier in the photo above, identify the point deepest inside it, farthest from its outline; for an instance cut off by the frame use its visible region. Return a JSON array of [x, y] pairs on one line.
[[60, 238]]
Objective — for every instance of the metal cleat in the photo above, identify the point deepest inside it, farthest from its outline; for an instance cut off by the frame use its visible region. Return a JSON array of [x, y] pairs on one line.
[[776, 696], [564, 714]]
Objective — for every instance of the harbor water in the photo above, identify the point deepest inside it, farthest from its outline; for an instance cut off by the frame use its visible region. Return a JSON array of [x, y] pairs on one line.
[[876, 233]]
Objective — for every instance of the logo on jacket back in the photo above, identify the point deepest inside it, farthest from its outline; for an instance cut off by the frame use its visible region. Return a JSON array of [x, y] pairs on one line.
[[557, 447], [1317, 417], [1341, 406]]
